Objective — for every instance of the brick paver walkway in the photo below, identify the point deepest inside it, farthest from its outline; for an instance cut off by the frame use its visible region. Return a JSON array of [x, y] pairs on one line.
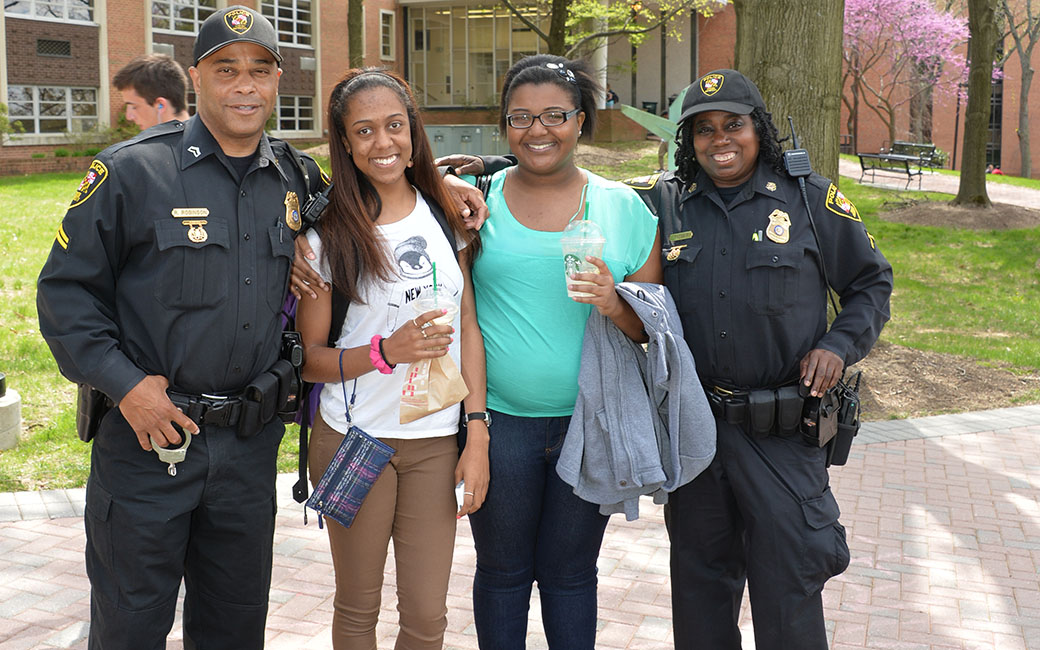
[[943, 518]]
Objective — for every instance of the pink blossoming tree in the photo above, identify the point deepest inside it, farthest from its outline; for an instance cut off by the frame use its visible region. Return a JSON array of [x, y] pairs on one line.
[[896, 53]]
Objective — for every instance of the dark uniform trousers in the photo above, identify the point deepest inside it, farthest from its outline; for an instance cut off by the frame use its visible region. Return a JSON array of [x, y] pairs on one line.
[[762, 512], [145, 529], [746, 274], [172, 262]]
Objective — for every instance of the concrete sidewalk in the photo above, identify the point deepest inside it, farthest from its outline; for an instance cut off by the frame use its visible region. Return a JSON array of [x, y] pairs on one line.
[[933, 182], [943, 516]]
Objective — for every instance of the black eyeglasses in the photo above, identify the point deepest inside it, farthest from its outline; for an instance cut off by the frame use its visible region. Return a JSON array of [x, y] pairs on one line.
[[548, 118]]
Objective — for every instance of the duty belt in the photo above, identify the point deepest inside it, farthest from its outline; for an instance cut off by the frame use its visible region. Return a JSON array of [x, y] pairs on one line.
[[216, 410], [760, 412], [727, 405]]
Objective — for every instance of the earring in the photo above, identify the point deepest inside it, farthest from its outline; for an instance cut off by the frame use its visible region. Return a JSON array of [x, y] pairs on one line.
[[579, 131]]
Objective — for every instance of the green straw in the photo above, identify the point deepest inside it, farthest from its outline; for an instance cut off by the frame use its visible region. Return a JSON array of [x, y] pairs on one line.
[[586, 217], [434, 283]]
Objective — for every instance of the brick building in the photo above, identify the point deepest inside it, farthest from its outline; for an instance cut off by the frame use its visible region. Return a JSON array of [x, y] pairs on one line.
[[59, 57]]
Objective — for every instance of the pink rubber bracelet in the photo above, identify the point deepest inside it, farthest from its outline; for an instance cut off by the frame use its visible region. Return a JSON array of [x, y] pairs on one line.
[[377, 357]]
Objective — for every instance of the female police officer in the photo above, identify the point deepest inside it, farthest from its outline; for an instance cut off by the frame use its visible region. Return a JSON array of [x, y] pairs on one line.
[[747, 275]]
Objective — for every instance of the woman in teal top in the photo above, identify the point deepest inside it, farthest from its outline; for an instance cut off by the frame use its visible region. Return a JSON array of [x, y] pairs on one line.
[[532, 527]]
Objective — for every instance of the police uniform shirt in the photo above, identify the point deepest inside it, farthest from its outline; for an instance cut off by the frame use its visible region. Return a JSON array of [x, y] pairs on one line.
[[166, 264], [747, 277]]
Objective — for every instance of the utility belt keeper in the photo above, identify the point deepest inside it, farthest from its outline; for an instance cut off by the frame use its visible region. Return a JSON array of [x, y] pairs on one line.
[[274, 393], [762, 412]]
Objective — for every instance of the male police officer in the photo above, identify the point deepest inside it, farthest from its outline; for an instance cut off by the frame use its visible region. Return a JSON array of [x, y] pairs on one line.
[[163, 290]]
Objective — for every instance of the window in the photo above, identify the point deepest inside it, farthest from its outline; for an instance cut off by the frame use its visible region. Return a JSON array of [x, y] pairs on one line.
[[458, 55], [53, 109], [386, 34], [81, 10], [295, 113], [292, 19], [186, 17]]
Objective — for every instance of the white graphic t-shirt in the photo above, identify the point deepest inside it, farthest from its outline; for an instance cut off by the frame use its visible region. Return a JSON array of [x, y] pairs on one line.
[[415, 243]]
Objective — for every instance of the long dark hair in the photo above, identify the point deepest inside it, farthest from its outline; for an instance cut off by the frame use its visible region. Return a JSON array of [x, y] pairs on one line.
[[769, 151], [349, 237], [574, 76]]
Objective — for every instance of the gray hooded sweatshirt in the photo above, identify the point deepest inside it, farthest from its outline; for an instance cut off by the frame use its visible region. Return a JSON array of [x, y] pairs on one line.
[[641, 422]]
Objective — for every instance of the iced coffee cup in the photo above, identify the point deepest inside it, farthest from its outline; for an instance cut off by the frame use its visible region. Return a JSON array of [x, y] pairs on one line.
[[580, 239], [430, 300]]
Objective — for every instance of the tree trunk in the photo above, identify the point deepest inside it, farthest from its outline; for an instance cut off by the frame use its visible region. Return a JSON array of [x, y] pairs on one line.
[[1023, 115], [982, 49], [797, 68], [355, 30], [558, 28]]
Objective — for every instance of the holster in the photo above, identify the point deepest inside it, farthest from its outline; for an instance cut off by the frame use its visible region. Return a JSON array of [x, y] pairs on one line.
[[91, 407]]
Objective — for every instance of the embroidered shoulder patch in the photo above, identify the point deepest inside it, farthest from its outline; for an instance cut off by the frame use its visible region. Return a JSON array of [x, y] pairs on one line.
[[642, 182], [838, 204], [96, 175]]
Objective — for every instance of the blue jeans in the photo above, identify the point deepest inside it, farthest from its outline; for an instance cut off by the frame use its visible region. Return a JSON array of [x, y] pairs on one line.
[[533, 528]]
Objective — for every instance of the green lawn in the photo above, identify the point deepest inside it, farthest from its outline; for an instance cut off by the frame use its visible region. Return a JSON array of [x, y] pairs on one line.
[[49, 455], [974, 293]]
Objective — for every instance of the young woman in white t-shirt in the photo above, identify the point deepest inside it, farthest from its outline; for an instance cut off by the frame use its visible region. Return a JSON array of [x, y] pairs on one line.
[[379, 241]]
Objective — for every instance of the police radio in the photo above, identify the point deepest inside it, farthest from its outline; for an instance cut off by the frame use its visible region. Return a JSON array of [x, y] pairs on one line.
[[314, 206], [833, 420]]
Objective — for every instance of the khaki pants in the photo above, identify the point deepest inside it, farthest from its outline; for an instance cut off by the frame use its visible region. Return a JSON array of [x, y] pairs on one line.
[[413, 503]]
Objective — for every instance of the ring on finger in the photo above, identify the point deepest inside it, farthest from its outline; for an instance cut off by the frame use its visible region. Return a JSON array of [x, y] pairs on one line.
[[469, 493], [423, 332]]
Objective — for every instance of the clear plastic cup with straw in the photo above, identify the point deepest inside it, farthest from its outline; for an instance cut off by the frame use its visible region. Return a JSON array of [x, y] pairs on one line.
[[580, 239], [436, 299]]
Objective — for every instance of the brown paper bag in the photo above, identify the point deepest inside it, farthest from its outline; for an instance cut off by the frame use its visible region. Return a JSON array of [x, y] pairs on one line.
[[431, 385]]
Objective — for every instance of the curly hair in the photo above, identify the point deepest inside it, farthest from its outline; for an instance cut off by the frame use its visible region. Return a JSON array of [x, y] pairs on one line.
[[574, 76], [769, 151]]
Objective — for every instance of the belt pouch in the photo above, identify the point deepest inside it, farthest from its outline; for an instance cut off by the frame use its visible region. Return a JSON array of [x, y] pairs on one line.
[[249, 422], [761, 412], [841, 444], [283, 373], [258, 405], [788, 409]]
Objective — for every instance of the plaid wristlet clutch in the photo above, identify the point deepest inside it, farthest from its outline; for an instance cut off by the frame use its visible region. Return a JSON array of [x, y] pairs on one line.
[[353, 470]]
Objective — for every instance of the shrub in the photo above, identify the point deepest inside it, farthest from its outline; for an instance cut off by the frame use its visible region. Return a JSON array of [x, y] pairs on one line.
[[39, 155], [61, 153]]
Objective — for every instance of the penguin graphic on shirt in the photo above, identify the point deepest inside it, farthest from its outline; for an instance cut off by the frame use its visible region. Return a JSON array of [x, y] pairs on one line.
[[413, 264]]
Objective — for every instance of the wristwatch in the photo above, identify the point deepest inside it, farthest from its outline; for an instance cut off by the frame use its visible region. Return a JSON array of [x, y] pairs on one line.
[[479, 415]]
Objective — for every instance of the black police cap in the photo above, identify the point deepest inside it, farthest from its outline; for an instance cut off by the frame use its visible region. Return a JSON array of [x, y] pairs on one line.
[[721, 90], [234, 25]]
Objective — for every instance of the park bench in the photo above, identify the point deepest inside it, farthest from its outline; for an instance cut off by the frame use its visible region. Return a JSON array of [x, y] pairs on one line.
[[889, 162], [924, 152]]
